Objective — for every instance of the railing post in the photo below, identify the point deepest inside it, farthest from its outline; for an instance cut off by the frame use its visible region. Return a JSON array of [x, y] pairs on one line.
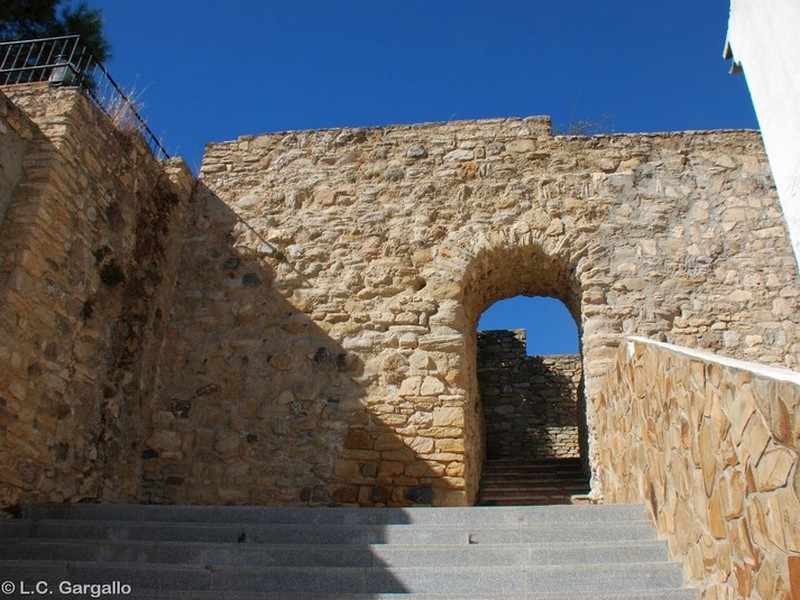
[[63, 73]]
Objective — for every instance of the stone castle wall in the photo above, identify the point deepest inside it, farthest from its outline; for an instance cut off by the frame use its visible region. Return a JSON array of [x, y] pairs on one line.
[[303, 330], [16, 133], [87, 250], [530, 403], [322, 341], [712, 445]]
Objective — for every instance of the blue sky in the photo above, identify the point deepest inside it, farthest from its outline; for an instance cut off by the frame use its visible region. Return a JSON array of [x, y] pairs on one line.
[[212, 71]]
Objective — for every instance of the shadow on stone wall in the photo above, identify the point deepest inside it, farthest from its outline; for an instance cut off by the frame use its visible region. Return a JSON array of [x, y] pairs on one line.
[[530, 403], [256, 403], [85, 249]]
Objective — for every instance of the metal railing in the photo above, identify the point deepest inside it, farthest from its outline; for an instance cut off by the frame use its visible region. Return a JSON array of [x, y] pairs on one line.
[[65, 61]]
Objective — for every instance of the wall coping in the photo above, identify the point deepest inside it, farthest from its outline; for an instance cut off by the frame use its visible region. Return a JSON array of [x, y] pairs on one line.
[[778, 373]]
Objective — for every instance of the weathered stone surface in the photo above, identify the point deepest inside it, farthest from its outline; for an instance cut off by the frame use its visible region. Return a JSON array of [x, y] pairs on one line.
[[431, 386], [448, 417], [90, 227], [530, 403], [725, 502], [253, 340], [772, 470]]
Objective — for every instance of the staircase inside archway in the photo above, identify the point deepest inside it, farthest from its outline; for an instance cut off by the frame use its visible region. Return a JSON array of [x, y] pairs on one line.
[[531, 416]]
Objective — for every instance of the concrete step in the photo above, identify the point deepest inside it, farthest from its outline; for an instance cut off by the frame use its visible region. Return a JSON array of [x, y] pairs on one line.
[[492, 581], [666, 594], [541, 533], [331, 555], [243, 553], [244, 515]]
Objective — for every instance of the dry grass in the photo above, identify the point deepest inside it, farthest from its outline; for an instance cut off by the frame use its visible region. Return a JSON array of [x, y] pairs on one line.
[[124, 111]]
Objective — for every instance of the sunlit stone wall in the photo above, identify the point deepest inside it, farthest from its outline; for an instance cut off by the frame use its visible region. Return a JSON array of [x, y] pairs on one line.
[[712, 445]]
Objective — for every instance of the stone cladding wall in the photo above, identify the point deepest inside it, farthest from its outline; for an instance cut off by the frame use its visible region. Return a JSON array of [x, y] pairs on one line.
[[712, 445], [87, 264], [322, 337], [530, 403]]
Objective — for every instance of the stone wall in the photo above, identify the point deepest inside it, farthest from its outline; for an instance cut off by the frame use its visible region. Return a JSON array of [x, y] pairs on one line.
[[320, 345], [530, 403], [87, 263], [322, 341], [712, 445], [16, 132]]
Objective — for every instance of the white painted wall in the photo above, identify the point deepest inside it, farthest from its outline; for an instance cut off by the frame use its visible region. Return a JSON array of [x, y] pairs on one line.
[[764, 36]]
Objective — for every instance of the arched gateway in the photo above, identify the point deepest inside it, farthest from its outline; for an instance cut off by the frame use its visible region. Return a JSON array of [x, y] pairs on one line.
[[321, 344]]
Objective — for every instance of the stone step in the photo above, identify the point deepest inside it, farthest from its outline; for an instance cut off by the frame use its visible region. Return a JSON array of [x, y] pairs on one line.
[[556, 463], [524, 482], [533, 463], [515, 492], [330, 555], [242, 515], [584, 530], [522, 469], [528, 470], [534, 478], [533, 493], [527, 500], [515, 482], [544, 476], [665, 594], [536, 485], [492, 581]]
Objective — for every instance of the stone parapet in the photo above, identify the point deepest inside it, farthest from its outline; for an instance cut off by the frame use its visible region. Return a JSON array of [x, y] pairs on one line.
[[712, 445]]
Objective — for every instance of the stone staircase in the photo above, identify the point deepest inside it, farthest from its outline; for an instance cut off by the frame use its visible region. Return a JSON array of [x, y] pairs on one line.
[[244, 553], [544, 481]]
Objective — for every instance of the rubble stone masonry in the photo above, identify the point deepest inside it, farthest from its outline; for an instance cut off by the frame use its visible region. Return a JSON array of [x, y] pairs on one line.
[[85, 250], [301, 329], [530, 403], [322, 336]]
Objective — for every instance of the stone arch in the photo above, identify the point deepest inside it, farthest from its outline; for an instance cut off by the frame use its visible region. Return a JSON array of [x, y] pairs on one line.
[[477, 269]]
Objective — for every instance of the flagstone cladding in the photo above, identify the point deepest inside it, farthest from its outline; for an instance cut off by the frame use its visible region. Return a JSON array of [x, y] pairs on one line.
[[712, 445]]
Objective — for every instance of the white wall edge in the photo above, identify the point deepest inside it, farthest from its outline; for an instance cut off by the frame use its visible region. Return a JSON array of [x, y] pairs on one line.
[[777, 373]]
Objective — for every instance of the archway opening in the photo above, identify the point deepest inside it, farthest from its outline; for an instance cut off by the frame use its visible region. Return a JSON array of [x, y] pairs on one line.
[[551, 328], [530, 386]]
